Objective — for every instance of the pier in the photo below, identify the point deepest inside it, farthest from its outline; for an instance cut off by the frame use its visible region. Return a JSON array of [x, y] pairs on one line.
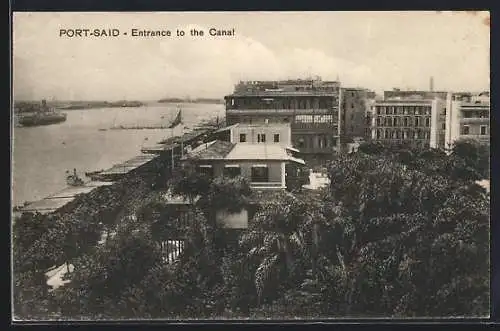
[[109, 176], [118, 171], [60, 199]]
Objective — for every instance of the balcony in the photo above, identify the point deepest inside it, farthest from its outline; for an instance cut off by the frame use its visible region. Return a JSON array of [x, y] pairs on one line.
[[480, 137], [472, 120], [314, 126], [309, 111], [267, 185], [284, 93]]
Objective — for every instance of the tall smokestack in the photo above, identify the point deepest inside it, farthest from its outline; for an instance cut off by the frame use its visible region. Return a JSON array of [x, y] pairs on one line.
[[431, 84]]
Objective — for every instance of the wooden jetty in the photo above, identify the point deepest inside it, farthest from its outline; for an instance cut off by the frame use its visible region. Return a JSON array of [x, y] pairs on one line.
[[118, 171], [60, 199]]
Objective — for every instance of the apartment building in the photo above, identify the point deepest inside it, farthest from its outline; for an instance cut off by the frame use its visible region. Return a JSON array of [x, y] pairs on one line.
[[467, 116], [354, 102], [416, 122], [310, 106]]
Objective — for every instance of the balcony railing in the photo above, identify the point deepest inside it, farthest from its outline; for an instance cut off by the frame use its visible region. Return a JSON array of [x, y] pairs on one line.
[[267, 185], [308, 111], [299, 125], [480, 137], [283, 93], [474, 120]]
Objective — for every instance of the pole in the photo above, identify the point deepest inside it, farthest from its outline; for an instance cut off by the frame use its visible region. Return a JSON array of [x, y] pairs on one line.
[[173, 146]]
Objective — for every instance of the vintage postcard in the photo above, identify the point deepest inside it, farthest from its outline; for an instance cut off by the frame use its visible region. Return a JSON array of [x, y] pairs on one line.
[[250, 165]]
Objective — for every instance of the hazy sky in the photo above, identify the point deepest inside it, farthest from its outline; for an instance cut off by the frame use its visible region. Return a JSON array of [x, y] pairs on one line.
[[376, 50]]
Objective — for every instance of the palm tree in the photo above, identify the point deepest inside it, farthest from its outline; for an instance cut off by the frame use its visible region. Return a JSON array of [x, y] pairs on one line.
[[277, 239]]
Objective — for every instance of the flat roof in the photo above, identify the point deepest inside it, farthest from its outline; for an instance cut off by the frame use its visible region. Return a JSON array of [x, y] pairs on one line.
[[258, 152]]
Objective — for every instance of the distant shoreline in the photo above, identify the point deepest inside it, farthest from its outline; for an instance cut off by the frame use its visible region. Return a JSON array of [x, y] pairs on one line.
[[30, 106]]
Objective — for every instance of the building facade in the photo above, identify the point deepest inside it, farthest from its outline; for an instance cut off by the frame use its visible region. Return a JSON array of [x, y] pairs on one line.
[[266, 166], [354, 103], [267, 133], [415, 122], [468, 116], [311, 107]]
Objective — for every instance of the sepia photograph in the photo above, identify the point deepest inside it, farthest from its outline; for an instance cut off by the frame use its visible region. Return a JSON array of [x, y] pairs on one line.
[[185, 166]]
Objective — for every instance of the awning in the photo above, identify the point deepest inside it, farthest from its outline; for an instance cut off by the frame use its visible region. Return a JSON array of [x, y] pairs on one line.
[[259, 165], [294, 159], [232, 166], [292, 149], [205, 166]]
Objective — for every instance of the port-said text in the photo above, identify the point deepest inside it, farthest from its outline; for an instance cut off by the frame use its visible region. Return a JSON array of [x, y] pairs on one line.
[[82, 33]]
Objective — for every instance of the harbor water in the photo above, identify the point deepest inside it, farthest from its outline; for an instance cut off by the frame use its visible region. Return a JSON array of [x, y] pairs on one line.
[[42, 155]]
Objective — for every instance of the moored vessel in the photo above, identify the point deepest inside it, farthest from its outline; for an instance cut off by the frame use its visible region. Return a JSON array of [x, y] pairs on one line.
[[43, 115]]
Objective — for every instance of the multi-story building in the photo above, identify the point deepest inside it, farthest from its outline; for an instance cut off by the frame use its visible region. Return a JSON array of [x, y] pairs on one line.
[[353, 114], [467, 116], [416, 122], [311, 107]]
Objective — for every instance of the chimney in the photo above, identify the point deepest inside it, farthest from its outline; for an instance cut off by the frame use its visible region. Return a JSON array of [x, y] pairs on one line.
[[431, 84]]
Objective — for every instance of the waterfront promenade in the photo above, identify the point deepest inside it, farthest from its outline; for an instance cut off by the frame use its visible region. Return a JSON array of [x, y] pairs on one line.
[[169, 146]]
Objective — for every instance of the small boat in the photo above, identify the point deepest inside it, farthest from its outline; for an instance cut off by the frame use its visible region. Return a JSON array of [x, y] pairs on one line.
[[102, 129], [74, 180]]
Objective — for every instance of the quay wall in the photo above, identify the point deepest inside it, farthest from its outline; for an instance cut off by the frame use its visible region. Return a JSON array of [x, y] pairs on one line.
[[130, 189]]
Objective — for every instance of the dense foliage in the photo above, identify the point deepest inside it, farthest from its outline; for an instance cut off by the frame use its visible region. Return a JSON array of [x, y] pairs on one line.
[[398, 232]]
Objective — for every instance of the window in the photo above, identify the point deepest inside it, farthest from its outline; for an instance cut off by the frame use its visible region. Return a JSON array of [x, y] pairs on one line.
[[243, 138], [378, 121], [301, 143], [395, 121], [405, 121], [483, 129], [232, 170], [427, 122], [277, 138], [465, 129], [417, 121], [260, 174], [443, 126], [261, 137], [206, 170]]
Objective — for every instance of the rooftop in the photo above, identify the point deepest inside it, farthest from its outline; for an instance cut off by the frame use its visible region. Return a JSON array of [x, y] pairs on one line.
[[218, 150], [214, 150], [257, 152]]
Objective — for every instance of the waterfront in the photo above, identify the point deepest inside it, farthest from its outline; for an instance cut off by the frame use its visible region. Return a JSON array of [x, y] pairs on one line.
[[41, 155]]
